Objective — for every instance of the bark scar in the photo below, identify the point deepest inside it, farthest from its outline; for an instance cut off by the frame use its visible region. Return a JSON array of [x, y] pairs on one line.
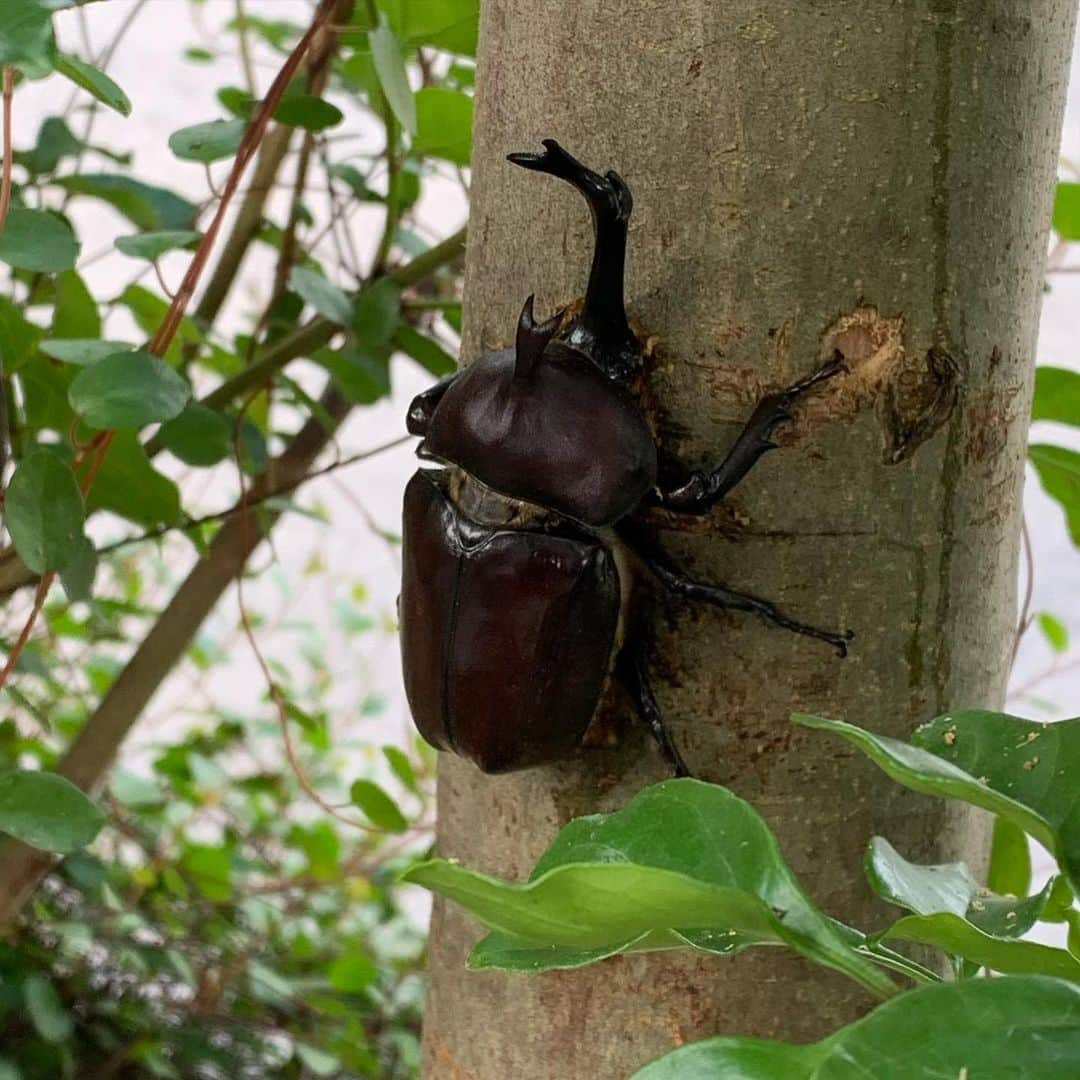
[[913, 392]]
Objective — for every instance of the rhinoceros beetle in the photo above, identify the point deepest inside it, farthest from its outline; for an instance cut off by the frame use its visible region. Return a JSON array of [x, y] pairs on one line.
[[524, 547]]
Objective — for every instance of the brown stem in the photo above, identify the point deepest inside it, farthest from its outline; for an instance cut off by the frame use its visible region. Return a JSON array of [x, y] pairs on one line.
[[5, 177], [248, 145]]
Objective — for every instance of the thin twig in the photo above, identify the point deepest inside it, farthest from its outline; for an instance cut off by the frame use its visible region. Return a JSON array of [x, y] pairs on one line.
[[5, 177], [270, 493], [245, 49], [24, 635], [248, 145], [273, 689]]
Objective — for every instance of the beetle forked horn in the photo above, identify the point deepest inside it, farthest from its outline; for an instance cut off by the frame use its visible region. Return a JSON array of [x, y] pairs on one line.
[[533, 338], [608, 195]]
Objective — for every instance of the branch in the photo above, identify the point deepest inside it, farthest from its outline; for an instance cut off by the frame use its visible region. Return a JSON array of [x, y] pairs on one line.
[[174, 315], [275, 147], [313, 335], [14, 574]]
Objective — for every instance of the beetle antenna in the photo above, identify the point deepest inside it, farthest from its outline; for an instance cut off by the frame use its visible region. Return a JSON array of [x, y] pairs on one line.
[[533, 338]]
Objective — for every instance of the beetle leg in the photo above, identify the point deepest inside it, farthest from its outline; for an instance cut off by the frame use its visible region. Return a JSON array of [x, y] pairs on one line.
[[719, 596], [703, 490], [424, 404], [601, 331], [633, 671]]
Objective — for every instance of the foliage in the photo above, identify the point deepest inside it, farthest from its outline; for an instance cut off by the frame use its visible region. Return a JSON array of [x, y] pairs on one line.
[[222, 925], [236, 912], [685, 863]]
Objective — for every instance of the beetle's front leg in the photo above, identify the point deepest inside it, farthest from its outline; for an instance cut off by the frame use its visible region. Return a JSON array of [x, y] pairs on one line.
[[703, 490], [423, 406]]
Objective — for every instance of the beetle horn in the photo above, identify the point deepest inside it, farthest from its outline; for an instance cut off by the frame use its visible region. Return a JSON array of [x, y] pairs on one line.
[[533, 338]]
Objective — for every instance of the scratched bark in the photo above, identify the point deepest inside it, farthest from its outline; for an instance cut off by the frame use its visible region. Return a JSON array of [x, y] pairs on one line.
[[866, 174]]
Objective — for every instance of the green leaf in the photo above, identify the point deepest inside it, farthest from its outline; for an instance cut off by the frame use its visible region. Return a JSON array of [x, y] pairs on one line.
[[958, 937], [317, 1061], [78, 575], [1059, 472], [356, 182], [427, 352], [377, 806], [46, 811], [18, 336], [1020, 1027], [443, 125], [955, 915], [82, 351], [684, 862], [198, 436], [47, 1013], [401, 766], [1057, 395], [128, 390], [26, 35], [352, 973], [145, 206], [239, 102], [1055, 632], [1067, 210], [210, 870], [95, 81], [1023, 771], [504, 952], [151, 245], [55, 141], [37, 240], [377, 313], [323, 295], [364, 377], [444, 24], [213, 141], [922, 889], [44, 512], [393, 78], [75, 311], [128, 485], [308, 112], [1010, 859]]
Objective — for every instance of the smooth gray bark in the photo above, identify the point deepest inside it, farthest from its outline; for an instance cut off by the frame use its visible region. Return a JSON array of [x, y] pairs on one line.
[[873, 175]]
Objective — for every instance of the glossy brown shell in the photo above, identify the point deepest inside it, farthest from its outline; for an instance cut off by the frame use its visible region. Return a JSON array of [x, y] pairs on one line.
[[563, 435], [506, 637]]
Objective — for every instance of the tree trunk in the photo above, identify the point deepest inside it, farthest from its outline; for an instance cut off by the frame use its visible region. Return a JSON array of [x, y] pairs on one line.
[[872, 176]]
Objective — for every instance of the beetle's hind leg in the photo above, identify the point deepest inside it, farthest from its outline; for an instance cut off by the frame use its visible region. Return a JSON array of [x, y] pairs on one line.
[[703, 490], [633, 673], [602, 330]]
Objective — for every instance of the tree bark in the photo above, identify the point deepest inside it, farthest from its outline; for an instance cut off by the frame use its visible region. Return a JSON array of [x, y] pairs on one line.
[[872, 176]]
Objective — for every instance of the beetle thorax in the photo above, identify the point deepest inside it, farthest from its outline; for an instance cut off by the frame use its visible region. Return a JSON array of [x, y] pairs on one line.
[[485, 506]]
